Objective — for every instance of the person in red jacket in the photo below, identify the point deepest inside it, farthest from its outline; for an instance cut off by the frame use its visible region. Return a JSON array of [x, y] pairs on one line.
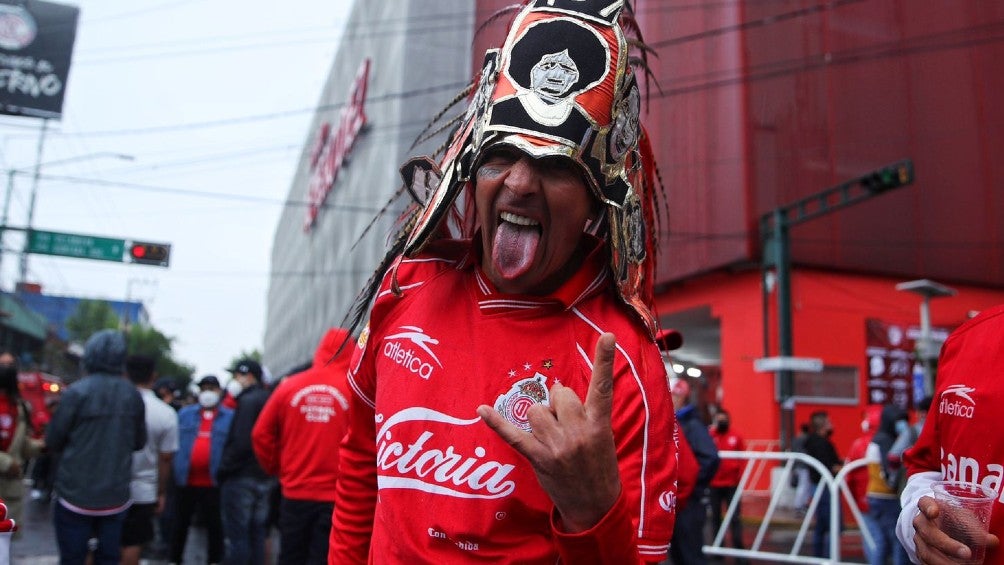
[[857, 480], [510, 401], [730, 471], [296, 438], [961, 441]]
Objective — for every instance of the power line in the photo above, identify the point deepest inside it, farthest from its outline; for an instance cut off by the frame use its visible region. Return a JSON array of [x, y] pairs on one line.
[[207, 194], [392, 96], [762, 22]]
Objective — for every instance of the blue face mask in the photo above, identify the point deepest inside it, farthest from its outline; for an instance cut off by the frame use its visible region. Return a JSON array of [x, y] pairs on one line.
[[901, 426]]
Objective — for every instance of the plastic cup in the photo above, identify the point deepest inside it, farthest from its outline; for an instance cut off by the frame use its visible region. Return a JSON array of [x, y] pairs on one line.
[[964, 514]]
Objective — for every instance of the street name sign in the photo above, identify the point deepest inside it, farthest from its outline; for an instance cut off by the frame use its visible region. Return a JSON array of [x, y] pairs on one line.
[[771, 364], [76, 245]]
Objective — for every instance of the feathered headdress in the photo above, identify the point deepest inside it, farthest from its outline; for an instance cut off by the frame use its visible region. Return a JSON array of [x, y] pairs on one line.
[[562, 84]]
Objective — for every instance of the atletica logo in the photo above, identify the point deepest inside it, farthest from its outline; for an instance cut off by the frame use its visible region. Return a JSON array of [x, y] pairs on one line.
[[406, 356], [429, 464], [955, 401]]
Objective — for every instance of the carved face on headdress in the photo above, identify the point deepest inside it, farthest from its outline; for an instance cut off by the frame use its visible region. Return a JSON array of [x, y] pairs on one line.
[[553, 75]]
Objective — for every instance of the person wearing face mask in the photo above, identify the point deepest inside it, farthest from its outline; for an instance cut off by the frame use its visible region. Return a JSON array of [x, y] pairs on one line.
[[730, 471], [202, 431], [17, 441], [883, 495], [244, 485]]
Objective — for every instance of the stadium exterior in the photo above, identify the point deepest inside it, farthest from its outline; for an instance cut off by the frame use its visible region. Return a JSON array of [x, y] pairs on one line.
[[417, 63]]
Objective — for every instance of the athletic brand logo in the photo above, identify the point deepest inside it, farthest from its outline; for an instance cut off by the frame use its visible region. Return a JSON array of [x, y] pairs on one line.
[[956, 401], [408, 357], [514, 404], [430, 464]]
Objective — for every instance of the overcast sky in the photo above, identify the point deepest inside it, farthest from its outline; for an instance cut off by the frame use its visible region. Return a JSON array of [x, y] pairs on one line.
[[212, 99]]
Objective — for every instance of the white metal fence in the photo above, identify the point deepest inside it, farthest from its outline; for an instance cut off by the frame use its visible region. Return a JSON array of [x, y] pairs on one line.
[[762, 459]]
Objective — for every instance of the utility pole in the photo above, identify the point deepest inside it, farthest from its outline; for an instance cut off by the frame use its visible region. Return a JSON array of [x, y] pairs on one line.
[[774, 227], [925, 345], [23, 272]]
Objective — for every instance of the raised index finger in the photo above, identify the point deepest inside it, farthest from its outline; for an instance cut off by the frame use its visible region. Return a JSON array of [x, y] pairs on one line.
[[599, 397]]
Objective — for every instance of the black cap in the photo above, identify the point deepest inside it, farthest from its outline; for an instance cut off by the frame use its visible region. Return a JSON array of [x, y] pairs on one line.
[[167, 383], [247, 366], [209, 380]]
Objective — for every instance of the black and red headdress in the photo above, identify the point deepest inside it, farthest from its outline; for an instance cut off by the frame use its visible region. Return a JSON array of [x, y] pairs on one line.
[[560, 85]]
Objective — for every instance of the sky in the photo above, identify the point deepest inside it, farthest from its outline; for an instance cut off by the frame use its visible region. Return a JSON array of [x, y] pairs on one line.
[[183, 122]]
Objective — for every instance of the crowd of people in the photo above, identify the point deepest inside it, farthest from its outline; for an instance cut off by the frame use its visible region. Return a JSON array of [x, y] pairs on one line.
[[131, 468]]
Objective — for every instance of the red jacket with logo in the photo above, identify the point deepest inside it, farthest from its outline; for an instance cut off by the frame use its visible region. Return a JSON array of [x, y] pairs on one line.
[[961, 439], [301, 426], [451, 490]]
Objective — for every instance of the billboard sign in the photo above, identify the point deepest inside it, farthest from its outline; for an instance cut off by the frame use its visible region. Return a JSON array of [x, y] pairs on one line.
[[892, 361], [36, 44]]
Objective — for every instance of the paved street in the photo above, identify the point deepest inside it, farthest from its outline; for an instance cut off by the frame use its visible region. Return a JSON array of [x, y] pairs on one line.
[[37, 546]]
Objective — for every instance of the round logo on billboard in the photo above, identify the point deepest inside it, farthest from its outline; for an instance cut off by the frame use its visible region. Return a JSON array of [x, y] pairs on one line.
[[17, 27]]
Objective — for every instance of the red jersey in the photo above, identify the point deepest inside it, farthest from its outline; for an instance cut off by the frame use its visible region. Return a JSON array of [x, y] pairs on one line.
[[450, 489], [8, 421], [958, 441], [198, 470], [298, 432], [729, 470]]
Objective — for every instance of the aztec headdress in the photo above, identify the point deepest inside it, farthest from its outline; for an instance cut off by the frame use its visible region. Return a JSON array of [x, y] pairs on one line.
[[561, 85]]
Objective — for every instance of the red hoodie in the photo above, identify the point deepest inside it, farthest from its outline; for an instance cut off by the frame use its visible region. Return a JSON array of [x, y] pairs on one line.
[[298, 432]]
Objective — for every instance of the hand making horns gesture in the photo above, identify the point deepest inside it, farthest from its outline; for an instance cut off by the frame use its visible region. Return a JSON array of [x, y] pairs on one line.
[[571, 446]]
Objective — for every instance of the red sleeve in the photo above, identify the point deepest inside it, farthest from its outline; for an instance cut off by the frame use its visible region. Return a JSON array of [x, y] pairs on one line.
[[643, 422], [611, 541], [356, 490], [267, 432]]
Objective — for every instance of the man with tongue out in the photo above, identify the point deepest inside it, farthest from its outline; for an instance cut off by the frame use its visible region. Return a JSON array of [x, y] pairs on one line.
[[533, 213], [510, 403]]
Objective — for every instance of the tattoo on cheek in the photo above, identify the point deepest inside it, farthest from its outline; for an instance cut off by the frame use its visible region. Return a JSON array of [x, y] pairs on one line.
[[489, 172]]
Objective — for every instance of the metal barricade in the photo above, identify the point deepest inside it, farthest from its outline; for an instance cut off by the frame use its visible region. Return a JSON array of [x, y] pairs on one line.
[[756, 462]]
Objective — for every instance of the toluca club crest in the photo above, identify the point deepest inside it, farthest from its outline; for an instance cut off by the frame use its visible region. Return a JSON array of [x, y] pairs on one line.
[[514, 404]]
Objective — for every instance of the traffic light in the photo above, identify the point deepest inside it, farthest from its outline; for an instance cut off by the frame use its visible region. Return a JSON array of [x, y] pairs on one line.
[[146, 253], [888, 177]]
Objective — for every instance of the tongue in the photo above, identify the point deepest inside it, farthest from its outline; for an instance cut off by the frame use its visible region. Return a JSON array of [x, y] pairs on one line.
[[514, 249]]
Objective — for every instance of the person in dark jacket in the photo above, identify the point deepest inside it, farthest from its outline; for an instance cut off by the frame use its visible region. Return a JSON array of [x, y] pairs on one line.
[[244, 485], [687, 547], [819, 445], [99, 424]]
